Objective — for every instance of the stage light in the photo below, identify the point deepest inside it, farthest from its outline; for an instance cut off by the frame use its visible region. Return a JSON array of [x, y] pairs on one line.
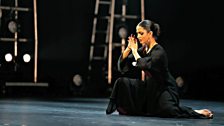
[[76, 85], [180, 81], [123, 32], [8, 57], [77, 80], [12, 26], [26, 58]]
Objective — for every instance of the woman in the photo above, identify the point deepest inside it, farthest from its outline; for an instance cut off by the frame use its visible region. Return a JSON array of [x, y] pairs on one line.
[[156, 93]]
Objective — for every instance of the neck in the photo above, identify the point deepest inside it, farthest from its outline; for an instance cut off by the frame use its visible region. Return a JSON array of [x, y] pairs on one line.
[[152, 43]]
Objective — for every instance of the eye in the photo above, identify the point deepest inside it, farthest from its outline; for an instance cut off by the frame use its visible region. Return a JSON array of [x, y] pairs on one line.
[[140, 33]]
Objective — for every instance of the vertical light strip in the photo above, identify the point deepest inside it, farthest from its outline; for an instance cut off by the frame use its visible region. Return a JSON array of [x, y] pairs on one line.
[[16, 33], [110, 42], [143, 18], [35, 40], [123, 19], [142, 10]]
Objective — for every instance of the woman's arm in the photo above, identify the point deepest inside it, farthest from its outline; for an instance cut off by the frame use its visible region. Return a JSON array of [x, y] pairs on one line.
[[126, 52], [135, 54], [125, 60]]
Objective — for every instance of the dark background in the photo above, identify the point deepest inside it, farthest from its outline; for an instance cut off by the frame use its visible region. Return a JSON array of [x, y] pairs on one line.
[[191, 34]]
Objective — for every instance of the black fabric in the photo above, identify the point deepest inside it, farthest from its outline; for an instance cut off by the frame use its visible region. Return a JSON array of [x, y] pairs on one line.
[[157, 95], [111, 107]]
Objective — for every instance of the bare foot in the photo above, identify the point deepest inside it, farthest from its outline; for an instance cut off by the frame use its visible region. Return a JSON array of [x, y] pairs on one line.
[[205, 112]]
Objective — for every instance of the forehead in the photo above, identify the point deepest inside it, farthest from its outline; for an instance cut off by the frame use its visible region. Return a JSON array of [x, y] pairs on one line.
[[140, 29]]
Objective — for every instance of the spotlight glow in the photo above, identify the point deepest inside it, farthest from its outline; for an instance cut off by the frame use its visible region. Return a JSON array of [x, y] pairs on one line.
[[123, 32], [26, 58], [77, 80], [12, 26], [8, 57]]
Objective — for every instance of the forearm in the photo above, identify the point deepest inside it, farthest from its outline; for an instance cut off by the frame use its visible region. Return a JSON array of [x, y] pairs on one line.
[[126, 53], [135, 54]]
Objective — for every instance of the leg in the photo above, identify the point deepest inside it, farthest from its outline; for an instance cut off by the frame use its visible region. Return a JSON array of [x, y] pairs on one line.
[[112, 105], [207, 113], [123, 95], [169, 107]]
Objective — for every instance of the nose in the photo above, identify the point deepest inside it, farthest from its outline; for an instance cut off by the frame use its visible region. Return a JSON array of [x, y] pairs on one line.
[[138, 36]]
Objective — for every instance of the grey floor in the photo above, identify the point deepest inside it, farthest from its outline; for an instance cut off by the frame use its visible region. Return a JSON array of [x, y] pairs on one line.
[[91, 112]]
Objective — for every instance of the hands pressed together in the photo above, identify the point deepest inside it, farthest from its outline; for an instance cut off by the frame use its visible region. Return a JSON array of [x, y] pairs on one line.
[[132, 42], [133, 46]]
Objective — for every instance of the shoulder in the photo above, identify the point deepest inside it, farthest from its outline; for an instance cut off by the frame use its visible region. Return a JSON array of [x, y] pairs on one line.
[[159, 48], [158, 51]]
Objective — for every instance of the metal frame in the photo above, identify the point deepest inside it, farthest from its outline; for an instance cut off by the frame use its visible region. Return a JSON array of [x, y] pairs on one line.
[[16, 9], [109, 35], [111, 32], [35, 40]]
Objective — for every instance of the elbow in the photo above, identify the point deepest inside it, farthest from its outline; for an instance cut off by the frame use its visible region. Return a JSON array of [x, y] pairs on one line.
[[143, 64]]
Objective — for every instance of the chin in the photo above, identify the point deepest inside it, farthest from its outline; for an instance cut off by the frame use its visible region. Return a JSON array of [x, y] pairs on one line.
[[142, 43]]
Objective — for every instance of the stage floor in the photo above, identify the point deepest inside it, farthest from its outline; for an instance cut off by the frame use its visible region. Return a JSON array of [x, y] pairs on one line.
[[91, 111]]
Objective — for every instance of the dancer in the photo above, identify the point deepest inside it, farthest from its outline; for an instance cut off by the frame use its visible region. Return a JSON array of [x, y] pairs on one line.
[[156, 93]]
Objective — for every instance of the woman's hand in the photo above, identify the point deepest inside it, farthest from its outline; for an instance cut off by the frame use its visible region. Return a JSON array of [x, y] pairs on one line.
[[132, 46], [132, 42]]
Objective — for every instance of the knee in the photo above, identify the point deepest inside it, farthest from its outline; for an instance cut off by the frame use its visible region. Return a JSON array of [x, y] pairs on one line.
[[169, 111], [121, 81]]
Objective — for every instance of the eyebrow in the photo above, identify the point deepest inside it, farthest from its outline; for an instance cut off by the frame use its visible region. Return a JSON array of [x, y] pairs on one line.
[[139, 32]]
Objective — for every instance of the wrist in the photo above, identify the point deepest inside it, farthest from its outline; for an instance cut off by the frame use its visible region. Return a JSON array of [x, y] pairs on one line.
[[135, 53], [134, 50], [128, 48]]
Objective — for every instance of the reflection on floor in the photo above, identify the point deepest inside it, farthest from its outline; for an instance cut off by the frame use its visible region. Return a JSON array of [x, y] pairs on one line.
[[91, 111]]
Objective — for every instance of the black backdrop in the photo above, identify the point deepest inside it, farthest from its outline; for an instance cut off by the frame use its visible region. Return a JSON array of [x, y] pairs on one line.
[[191, 34]]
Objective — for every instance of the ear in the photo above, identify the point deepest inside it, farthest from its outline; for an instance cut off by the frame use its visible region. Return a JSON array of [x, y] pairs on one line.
[[150, 33]]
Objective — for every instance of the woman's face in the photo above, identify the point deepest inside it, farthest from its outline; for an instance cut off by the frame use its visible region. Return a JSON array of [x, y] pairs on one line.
[[142, 35]]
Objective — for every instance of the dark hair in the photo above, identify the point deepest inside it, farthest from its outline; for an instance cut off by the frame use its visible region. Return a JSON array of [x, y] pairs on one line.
[[149, 25]]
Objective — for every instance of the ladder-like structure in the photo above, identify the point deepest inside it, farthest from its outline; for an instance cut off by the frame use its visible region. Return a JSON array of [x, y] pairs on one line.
[[102, 44], [16, 39]]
